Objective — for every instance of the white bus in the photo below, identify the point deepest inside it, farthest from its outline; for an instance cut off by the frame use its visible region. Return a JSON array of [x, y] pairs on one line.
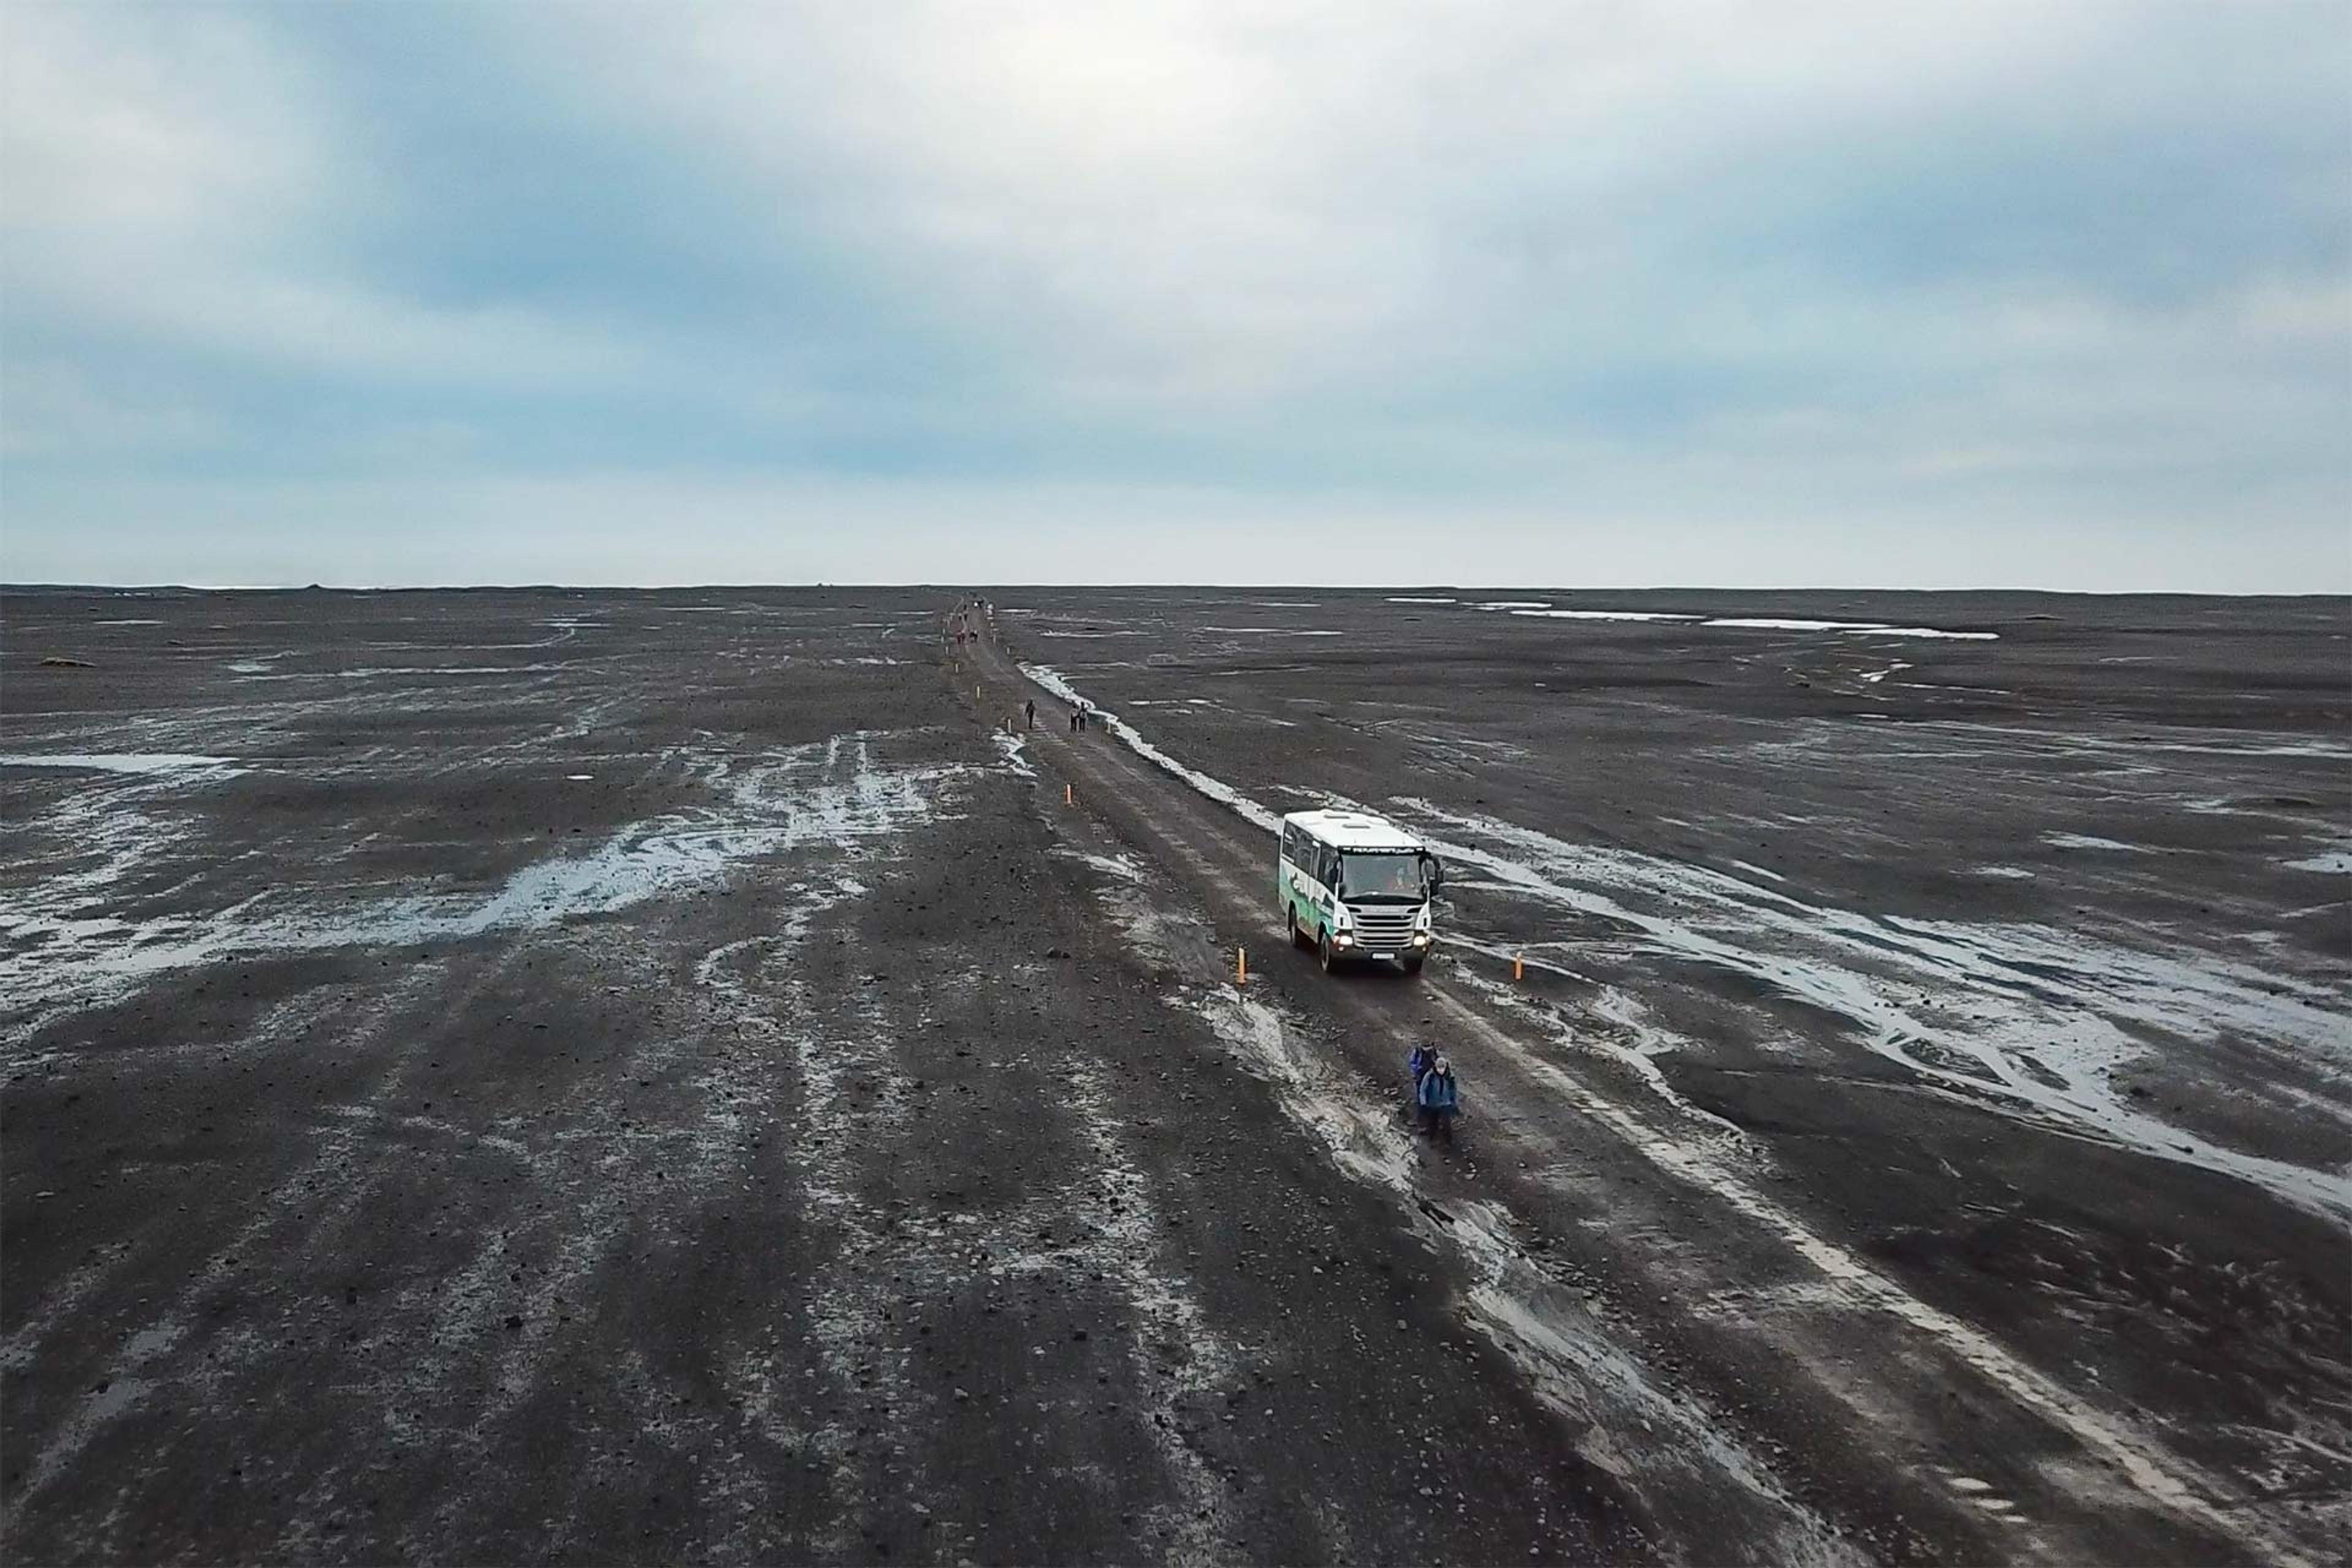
[[1355, 886]]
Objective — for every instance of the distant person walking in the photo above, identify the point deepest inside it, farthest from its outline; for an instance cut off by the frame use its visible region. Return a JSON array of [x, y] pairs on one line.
[[1029, 709]]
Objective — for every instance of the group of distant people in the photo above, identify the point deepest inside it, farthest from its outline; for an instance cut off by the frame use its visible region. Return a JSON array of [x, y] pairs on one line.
[[966, 620], [964, 625], [1080, 714]]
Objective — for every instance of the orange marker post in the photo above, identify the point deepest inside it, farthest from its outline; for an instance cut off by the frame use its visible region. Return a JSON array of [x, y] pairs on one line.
[[1241, 967], [1518, 968]]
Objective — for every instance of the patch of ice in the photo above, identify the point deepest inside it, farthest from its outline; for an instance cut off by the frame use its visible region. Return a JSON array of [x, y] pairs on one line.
[[1418, 599], [2086, 841], [1118, 866], [2335, 862], [1011, 747], [117, 761], [1277, 631], [379, 671], [1876, 676], [1873, 628], [2006, 873], [126, 623], [1605, 615], [1515, 605], [834, 793]]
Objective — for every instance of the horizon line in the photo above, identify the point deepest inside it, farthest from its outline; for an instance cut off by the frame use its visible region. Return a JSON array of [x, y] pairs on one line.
[[829, 585]]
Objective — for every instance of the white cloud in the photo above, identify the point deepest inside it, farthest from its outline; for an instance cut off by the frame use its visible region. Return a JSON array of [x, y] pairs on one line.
[[170, 177], [49, 407]]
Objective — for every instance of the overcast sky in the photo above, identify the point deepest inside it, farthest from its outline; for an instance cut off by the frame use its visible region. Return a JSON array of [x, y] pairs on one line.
[[2049, 295]]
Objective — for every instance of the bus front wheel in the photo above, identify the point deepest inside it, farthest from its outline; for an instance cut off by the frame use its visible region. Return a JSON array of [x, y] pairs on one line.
[[1298, 937], [1323, 950]]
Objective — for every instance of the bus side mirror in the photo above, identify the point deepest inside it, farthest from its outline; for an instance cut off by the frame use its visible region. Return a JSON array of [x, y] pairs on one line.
[[1436, 873]]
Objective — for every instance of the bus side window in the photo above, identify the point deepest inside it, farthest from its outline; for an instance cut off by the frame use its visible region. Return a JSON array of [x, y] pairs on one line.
[[1327, 866], [1290, 844]]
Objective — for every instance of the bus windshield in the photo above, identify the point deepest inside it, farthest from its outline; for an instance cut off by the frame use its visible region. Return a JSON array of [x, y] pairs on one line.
[[1383, 877]]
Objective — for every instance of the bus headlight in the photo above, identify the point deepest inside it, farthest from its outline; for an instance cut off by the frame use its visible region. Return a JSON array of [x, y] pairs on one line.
[[1344, 938], [1420, 938]]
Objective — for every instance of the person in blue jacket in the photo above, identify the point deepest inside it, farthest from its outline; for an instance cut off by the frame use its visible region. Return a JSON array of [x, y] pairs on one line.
[[1436, 1095]]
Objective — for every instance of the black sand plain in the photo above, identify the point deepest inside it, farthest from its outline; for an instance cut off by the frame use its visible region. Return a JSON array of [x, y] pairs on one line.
[[596, 1076]]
